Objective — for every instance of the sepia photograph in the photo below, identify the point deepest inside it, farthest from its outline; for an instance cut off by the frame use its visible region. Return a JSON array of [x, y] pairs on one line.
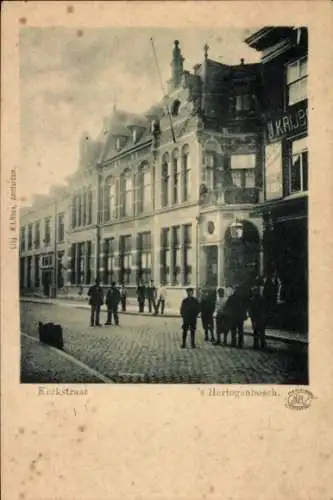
[[163, 223]]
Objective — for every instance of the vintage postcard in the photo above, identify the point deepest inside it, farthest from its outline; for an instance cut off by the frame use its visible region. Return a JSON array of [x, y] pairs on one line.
[[166, 250]]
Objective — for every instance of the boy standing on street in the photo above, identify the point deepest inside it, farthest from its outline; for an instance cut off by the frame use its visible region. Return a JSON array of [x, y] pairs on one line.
[[151, 296], [221, 318], [161, 297], [189, 311]]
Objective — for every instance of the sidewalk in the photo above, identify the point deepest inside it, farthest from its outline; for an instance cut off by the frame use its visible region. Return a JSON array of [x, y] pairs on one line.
[[132, 308]]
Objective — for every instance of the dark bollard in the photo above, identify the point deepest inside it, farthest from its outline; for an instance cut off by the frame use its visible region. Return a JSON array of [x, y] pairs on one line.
[[51, 334]]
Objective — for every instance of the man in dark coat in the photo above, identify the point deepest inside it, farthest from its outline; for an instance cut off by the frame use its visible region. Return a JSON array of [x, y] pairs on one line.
[[189, 311], [141, 294], [112, 301], [151, 296], [257, 313], [96, 296], [236, 310], [207, 306]]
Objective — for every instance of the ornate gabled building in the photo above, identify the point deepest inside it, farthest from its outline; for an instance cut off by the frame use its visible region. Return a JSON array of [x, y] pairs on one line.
[[169, 195]]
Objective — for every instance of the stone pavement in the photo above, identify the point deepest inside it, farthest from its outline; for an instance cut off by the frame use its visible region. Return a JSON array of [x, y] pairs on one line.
[[40, 364], [132, 308], [147, 349]]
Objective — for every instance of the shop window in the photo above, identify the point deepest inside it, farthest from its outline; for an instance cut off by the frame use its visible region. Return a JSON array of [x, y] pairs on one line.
[[243, 102], [299, 166], [297, 77]]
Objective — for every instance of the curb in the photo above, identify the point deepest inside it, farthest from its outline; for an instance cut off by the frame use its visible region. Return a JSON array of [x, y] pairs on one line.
[[269, 336]]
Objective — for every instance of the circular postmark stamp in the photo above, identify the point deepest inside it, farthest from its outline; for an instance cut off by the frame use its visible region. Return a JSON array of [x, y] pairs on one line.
[[299, 399]]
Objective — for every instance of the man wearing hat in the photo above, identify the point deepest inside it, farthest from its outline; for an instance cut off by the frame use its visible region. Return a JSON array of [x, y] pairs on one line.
[[237, 310], [189, 311], [112, 301], [96, 295], [257, 313]]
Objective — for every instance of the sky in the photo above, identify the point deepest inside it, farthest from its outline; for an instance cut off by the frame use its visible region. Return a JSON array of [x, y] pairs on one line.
[[71, 78]]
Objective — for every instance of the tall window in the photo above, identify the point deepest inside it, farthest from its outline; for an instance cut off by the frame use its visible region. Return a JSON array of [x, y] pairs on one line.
[[176, 177], [80, 264], [47, 230], [84, 208], [37, 235], [89, 208], [209, 162], [165, 256], [74, 211], [79, 210], [127, 194], [299, 166], [29, 263], [109, 261], [243, 170], [144, 256], [60, 278], [297, 78], [125, 258], [61, 226], [243, 102], [29, 236], [187, 254], [22, 239], [37, 264], [186, 173], [165, 180], [109, 199], [146, 190], [176, 257]]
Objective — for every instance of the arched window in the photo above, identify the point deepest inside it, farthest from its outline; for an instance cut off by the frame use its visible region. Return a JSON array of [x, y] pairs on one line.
[[165, 180], [209, 173], [109, 199], [126, 189], [186, 174], [145, 189], [175, 177]]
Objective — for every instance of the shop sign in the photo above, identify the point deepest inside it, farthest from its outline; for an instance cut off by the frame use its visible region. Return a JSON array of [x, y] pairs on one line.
[[288, 124]]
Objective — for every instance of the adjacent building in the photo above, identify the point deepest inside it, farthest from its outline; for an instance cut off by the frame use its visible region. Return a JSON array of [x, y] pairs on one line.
[[195, 191]]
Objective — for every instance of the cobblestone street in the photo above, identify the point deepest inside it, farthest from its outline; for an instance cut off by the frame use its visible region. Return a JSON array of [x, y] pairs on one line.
[[147, 349]]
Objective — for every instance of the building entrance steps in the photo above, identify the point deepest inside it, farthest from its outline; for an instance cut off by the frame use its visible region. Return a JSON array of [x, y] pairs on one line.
[[132, 308]]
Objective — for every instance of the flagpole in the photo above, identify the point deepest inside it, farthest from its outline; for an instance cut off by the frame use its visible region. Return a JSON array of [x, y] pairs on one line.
[[163, 89]]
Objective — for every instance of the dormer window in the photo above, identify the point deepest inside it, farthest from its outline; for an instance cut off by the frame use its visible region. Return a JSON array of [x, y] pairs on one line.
[[118, 143], [175, 107], [135, 135]]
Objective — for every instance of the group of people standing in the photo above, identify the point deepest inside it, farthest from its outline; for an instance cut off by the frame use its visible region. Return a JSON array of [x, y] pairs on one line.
[[230, 314], [155, 296], [116, 295]]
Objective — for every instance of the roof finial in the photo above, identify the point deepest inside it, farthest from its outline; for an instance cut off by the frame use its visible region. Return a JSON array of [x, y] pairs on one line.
[[206, 48]]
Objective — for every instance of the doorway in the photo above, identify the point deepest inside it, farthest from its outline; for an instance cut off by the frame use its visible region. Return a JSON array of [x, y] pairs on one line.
[[211, 267], [46, 283]]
